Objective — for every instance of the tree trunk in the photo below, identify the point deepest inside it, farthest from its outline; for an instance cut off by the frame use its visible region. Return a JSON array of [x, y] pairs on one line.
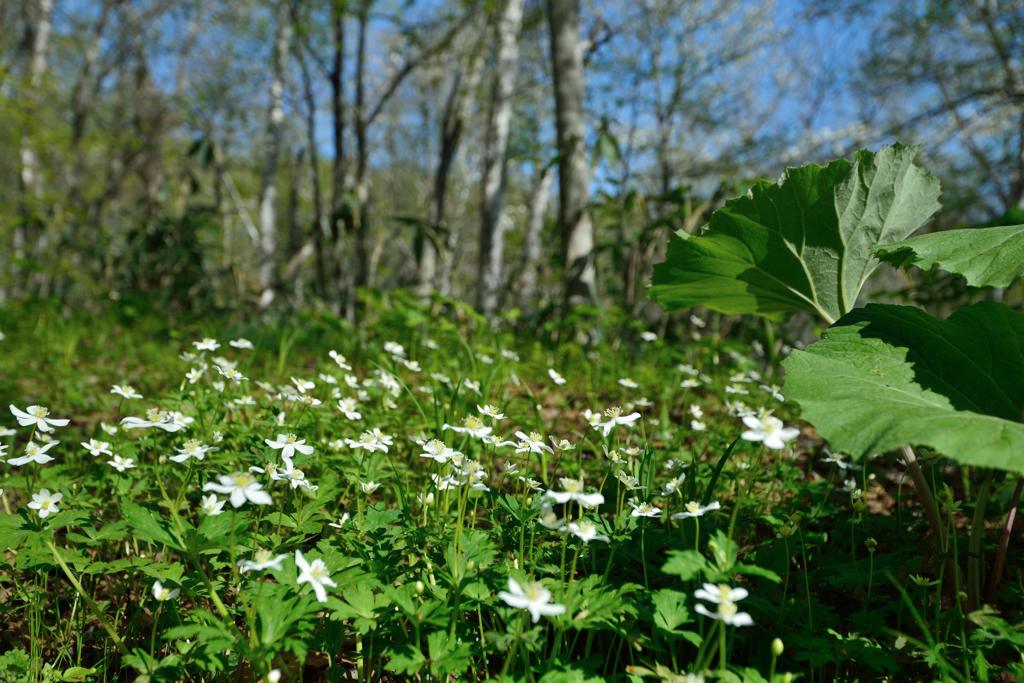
[[359, 267], [318, 229], [534, 232], [434, 259], [573, 171], [493, 220], [36, 48], [268, 180], [338, 224]]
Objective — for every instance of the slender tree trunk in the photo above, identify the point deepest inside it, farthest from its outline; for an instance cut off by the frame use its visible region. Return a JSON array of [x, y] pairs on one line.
[[268, 180], [317, 227], [339, 169], [434, 259], [360, 268], [429, 236], [534, 232], [36, 47], [493, 220], [573, 171]]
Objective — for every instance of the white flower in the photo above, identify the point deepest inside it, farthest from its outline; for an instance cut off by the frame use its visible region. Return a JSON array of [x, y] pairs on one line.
[[261, 559], [241, 487], [45, 503], [315, 574], [192, 449], [697, 322], [289, 445], [121, 464], [628, 383], [340, 524], [339, 360], [615, 418], [350, 409], [195, 374], [837, 459], [206, 344], [689, 383], [303, 385], [7, 431], [769, 430], [644, 510], [36, 416], [725, 598], [573, 490], [369, 487], [108, 429], [172, 421], [472, 385], [695, 509], [127, 391], [230, 374], [96, 448], [672, 485], [648, 336], [472, 425], [372, 441], [436, 449], [34, 453], [212, 505], [555, 377], [533, 597], [295, 477], [395, 349], [241, 343], [490, 411], [163, 593], [532, 443], [586, 531], [509, 355]]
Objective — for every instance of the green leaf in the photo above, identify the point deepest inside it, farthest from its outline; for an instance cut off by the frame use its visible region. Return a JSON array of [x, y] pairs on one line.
[[686, 564], [987, 257], [803, 244], [147, 526], [669, 610], [887, 376], [405, 659]]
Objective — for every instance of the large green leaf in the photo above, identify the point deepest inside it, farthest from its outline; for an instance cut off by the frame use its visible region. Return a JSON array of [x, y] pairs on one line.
[[987, 257], [803, 244], [886, 376]]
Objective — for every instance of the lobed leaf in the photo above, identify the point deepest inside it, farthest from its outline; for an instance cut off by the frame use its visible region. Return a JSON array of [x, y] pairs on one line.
[[805, 243], [986, 257], [886, 376]]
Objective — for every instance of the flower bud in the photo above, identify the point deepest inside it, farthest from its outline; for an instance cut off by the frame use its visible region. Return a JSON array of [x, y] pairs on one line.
[[777, 647]]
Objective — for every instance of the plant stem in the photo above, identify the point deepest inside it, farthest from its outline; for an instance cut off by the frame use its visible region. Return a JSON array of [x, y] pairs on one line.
[[88, 600], [974, 544], [1004, 541]]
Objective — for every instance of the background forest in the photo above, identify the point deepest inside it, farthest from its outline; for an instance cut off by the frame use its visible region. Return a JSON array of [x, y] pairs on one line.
[[510, 154]]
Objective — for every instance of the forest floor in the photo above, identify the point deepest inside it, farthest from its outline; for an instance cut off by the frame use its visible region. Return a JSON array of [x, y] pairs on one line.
[[427, 496]]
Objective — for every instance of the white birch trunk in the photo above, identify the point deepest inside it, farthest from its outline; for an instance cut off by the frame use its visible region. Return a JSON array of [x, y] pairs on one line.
[[534, 231], [573, 169], [268, 181], [493, 221]]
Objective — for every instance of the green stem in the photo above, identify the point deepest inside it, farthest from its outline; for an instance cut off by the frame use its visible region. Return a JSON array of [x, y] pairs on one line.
[[118, 643]]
